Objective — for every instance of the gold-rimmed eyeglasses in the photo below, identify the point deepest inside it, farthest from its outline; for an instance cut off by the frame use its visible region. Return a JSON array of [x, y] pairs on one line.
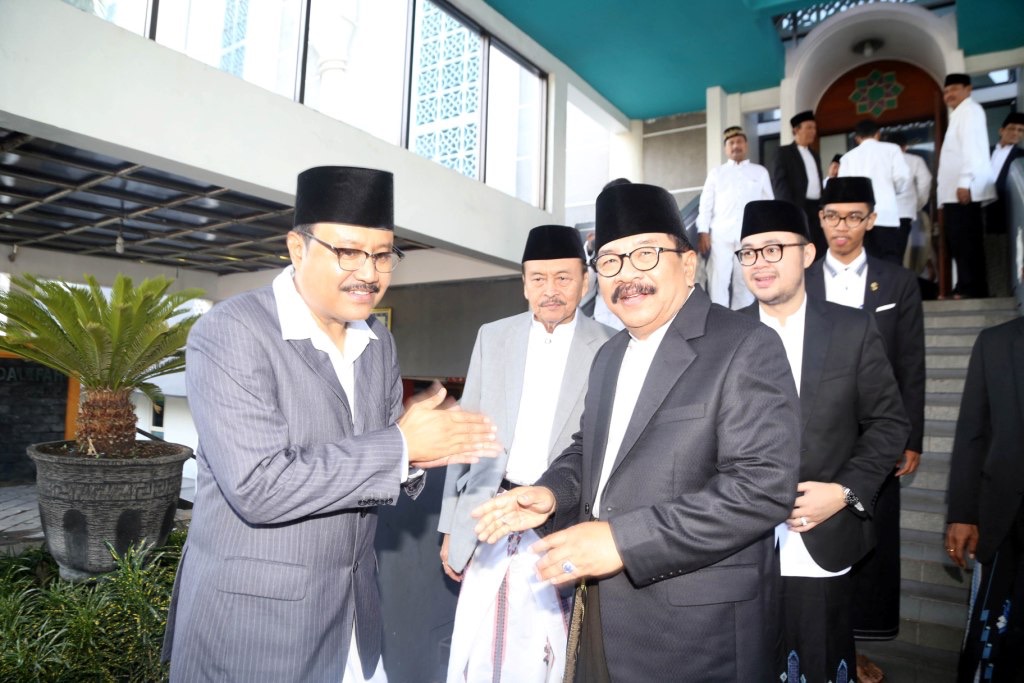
[[353, 259]]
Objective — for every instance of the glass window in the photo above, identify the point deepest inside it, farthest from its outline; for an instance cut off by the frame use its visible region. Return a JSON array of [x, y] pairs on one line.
[[587, 145], [257, 40], [128, 14], [445, 111], [355, 64], [515, 128]]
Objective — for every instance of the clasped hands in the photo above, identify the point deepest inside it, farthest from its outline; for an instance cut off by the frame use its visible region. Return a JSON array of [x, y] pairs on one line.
[[581, 551], [439, 433]]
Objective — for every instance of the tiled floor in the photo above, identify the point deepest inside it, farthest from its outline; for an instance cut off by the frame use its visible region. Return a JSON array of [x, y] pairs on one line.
[[19, 518]]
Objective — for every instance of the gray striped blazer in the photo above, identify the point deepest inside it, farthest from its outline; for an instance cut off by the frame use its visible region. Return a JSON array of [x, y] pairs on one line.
[[279, 562]]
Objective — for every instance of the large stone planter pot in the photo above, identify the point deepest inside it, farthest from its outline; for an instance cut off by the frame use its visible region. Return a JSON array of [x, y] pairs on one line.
[[85, 503]]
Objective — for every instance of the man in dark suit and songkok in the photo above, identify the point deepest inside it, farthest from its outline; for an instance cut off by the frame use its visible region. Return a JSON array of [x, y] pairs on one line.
[[796, 174], [686, 459], [853, 423]]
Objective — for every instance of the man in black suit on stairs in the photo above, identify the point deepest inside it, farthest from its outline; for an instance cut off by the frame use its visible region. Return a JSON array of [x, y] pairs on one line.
[[796, 175]]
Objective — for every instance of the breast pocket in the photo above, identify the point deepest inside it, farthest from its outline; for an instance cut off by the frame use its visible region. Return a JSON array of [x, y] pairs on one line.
[[679, 414]]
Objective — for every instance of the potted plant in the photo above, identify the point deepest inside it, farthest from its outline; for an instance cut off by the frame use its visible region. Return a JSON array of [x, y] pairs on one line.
[[105, 487]]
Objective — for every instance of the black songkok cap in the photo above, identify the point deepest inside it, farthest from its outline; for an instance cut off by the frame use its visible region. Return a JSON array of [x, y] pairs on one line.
[[848, 190], [547, 242], [731, 132], [1013, 117], [836, 159], [634, 209], [773, 215], [957, 79], [801, 117], [345, 194]]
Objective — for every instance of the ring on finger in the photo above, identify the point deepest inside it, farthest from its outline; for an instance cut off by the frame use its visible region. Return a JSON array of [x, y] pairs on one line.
[[568, 567], [803, 521]]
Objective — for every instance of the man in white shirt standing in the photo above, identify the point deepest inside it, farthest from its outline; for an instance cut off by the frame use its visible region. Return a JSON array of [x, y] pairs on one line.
[[528, 373], [912, 200], [726, 191], [853, 424], [964, 183], [883, 163]]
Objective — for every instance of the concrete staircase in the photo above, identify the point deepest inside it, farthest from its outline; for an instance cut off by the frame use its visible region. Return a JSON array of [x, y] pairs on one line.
[[933, 603]]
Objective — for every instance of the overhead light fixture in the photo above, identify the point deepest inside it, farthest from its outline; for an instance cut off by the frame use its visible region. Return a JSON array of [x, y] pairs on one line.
[[119, 242], [868, 47]]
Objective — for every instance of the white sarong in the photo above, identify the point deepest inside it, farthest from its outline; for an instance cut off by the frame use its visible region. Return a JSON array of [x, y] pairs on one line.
[[509, 625]]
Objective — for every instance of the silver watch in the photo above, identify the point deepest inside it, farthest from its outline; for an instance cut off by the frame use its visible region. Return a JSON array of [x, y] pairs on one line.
[[851, 499]]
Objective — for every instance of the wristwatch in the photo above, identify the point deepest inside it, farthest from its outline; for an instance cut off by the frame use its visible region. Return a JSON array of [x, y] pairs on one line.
[[851, 499]]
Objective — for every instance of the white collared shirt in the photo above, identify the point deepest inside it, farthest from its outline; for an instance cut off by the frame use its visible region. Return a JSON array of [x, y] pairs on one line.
[[726, 192], [844, 283], [546, 357], [813, 173], [794, 560], [915, 194], [636, 363], [964, 158], [884, 164], [999, 155]]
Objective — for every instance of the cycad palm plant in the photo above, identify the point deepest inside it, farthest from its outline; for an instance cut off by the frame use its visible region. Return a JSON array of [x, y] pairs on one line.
[[112, 346]]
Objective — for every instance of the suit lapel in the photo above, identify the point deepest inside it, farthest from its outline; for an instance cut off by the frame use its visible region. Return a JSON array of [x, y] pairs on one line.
[[817, 338], [596, 428], [577, 366], [516, 346], [320, 363], [814, 278], [1018, 368], [876, 286]]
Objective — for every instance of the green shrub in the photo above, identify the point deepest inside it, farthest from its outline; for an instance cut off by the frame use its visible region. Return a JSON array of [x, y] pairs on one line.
[[105, 630]]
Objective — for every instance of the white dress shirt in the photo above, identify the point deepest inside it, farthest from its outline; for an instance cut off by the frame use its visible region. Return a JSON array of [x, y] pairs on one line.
[[794, 560], [964, 158], [813, 173], [999, 156], [546, 356], [844, 284], [883, 163], [726, 192], [915, 194]]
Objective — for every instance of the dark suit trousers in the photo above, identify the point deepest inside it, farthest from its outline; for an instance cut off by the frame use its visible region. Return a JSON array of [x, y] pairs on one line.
[[999, 654], [887, 242], [965, 238], [811, 207]]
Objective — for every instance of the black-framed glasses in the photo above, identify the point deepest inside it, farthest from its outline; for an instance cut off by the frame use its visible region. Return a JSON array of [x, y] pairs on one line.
[[853, 219], [642, 258], [353, 259], [771, 253]]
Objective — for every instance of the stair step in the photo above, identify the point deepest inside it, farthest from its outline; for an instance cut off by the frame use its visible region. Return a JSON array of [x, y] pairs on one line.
[[933, 478], [952, 357], [938, 338], [955, 305], [935, 575], [938, 636], [967, 319], [905, 662], [936, 411], [940, 427], [940, 444]]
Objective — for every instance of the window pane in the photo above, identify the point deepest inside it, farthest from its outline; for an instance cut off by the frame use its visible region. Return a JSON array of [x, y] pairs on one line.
[[446, 94], [515, 128], [128, 14], [586, 164], [257, 40], [355, 66]]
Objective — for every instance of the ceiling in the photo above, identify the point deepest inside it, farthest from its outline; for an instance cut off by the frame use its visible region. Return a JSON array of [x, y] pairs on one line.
[[65, 199], [653, 58]]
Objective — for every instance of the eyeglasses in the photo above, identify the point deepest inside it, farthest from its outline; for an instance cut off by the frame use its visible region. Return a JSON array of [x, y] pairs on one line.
[[771, 253], [831, 219], [353, 259], [642, 258]]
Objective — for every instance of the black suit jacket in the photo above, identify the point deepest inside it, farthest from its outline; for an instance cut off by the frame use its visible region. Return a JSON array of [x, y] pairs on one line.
[[995, 213], [986, 474], [853, 423], [893, 297], [789, 175], [707, 468]]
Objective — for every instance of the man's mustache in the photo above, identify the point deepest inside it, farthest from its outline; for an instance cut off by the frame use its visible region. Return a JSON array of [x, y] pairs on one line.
[[632, 289], [552, 300], [369, 287]]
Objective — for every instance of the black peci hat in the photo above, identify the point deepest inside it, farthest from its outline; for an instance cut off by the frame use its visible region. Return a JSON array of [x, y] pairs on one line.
[[801, 117], [1012, 118], [345, 194], [548, 242], [774, 215], [848, 190], [634, 209], [957, 79]]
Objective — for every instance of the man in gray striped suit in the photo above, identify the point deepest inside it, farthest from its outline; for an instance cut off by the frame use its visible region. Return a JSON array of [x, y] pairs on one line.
[[297, 399]]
